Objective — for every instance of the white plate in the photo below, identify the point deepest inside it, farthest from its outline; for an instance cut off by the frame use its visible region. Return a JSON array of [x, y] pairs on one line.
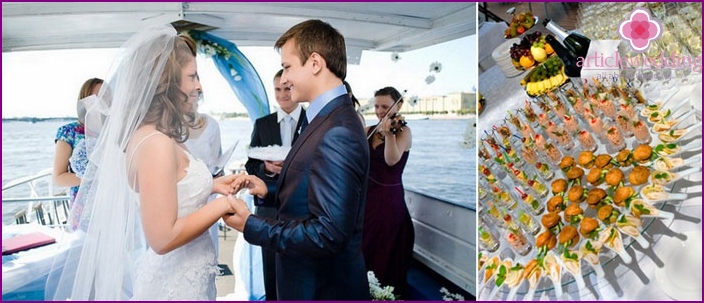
[[503, 51], [681, 277], [269, 153]]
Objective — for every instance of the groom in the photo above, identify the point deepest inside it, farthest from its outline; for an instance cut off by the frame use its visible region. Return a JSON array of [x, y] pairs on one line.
[[321, 189], [280, 128]]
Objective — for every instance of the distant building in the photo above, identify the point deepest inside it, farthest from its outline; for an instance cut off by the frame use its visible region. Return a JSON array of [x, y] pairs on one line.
[[451, 103]]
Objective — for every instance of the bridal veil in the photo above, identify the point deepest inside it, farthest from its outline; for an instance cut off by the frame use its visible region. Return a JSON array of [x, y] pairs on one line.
[[102, 266]]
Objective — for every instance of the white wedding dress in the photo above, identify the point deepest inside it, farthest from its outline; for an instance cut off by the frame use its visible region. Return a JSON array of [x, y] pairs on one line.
[[188, 272]]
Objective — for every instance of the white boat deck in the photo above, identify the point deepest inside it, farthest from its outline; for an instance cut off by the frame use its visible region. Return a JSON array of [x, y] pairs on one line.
[[226, 284], [444, 244]]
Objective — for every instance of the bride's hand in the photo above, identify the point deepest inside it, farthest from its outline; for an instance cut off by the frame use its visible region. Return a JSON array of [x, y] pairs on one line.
[[225, 185], [255, 185]]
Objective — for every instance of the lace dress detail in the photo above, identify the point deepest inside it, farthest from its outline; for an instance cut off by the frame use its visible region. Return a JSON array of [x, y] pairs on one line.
[[188, 272]]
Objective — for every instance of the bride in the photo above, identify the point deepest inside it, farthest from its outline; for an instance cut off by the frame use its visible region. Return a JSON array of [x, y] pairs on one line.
[[147, 235]]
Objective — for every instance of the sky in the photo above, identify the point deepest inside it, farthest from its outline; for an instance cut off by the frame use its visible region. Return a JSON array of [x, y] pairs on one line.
[[46, 83]]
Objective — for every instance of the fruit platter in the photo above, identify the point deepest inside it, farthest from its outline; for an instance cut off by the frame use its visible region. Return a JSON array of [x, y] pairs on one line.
[[531, 51], [520, 24], [552, 212], [545, 77]]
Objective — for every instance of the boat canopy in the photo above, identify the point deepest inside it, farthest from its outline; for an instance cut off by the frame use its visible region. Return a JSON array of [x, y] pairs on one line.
[[391, 26]]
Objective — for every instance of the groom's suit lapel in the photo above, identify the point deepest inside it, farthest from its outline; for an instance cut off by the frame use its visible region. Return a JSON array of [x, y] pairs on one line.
[[311, 129]]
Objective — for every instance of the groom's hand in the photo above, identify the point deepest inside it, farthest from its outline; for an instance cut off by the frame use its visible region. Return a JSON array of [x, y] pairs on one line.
[[241, 213]]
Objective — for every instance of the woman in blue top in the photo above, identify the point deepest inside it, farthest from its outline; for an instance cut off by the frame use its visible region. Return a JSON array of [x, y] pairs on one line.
[[67, 138]]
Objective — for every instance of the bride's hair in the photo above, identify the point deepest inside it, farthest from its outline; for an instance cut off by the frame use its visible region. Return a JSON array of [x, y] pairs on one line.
[[169, 110]]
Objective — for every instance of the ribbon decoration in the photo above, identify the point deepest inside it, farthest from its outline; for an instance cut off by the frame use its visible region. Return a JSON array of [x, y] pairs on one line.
[[239, 73]]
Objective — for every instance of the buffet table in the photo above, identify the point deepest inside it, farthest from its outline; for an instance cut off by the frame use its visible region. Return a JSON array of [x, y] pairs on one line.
[[654, 272]]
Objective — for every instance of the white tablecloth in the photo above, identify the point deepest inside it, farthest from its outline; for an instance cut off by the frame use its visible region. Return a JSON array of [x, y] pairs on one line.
[[491, 35], [635, 281]]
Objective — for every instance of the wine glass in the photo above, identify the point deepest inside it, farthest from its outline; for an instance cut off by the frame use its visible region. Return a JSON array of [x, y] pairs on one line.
[[671, 8], [627, 8], [665, 76], [647, 71], [688, 11], [694, 44], [629, 73], [684, 69], [672, 59], [667, 38], [682, 30], [645, 75], [658, 9]]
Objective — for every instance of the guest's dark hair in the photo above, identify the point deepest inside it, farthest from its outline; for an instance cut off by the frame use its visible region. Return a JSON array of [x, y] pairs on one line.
[[349, 91], [389, 91]]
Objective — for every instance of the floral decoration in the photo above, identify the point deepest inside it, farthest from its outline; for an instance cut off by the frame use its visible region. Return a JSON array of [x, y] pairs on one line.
[[378, 292], [429, 79], [640, 30], [365, 108], [395, 56], [436, 67], [234, 75], [413, 101], [448, 296], [210, 49]]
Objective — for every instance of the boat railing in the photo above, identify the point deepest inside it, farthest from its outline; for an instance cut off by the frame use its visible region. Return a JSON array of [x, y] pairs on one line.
[[444, 238], [43, 206]]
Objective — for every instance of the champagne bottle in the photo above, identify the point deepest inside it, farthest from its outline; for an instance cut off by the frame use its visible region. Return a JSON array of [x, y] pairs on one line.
[[576, 43], [569, 60]]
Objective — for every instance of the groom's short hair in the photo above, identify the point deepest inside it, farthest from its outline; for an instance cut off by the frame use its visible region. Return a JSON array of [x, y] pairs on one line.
[[316, 36]]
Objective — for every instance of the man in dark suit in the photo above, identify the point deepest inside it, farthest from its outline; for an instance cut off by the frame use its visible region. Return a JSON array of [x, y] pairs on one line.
[[321, 190], [279, 128]]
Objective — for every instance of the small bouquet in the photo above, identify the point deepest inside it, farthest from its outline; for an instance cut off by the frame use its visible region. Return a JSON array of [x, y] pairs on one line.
[[377, 292]]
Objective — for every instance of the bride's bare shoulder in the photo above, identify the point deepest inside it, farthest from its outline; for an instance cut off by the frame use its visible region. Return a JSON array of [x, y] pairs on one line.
[[148, 137]]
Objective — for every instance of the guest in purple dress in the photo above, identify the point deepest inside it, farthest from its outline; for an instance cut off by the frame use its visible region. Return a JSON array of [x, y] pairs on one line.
[[387, 238]]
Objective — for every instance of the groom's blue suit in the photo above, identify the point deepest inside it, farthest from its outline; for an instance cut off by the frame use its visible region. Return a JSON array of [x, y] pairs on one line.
[[320, 202]]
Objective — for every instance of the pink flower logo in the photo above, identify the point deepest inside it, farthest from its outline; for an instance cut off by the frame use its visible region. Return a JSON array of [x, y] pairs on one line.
[[640, 30]]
